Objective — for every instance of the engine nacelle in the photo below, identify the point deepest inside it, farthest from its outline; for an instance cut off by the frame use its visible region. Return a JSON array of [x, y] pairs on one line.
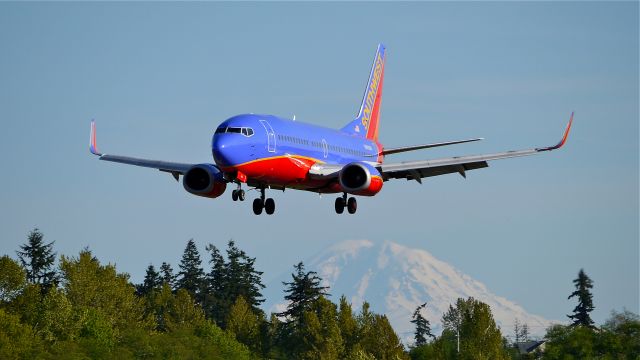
[[360, 179], [204, 180]]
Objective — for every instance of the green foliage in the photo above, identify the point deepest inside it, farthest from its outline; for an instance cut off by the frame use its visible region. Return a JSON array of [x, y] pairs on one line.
[[619, 338], [228, 280], [12, 279], [472, 321], [585, 300], [565, 342], [245, 325], [191, 275], [171, 311], [302, 291], [242, 279], [152, 281], [348, 328], [423, 327], [17, 340], [91, 287], [319, 333], [97, 315], [57, 320], [377, 337], [38, 258], [166, 275], [625, 330]]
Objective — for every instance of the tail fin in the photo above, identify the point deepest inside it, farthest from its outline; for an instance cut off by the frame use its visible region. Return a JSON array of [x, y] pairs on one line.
[[366, 123]]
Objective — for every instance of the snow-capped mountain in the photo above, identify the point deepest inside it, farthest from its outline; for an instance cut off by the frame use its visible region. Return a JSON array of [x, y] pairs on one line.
[[395, 279]]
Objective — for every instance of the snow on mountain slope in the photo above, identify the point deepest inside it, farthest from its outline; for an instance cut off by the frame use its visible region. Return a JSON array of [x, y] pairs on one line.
[[395, 279]]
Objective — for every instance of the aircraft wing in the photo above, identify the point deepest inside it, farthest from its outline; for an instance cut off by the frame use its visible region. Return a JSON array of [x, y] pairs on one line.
[[416, 170], [171, 167]]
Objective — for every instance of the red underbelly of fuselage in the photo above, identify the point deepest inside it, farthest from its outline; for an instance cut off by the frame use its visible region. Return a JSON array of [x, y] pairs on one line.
[[286, 171]]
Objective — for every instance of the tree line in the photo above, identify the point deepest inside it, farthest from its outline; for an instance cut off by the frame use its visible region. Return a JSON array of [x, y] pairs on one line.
[[471, 333], [82, 309]]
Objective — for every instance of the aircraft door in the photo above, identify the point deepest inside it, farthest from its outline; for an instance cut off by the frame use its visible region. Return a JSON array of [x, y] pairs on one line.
[[325, 148], [271, 136]]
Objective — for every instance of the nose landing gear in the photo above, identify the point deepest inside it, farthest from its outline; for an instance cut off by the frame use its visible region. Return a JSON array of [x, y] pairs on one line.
[[269, 205], [351, 204], [238, 194]]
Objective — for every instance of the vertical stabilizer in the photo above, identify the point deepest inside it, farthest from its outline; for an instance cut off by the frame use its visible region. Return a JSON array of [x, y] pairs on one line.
[[366, 123]]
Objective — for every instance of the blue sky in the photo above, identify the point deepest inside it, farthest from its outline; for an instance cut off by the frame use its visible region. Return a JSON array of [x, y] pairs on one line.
[[159, 77]]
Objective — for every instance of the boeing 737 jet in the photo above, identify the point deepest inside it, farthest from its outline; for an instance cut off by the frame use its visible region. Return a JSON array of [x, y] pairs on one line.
[[270, 152]]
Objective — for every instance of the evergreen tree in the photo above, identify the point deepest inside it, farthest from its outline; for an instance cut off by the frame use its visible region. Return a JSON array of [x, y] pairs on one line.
[[585, 301], [229, 280], [37, 258], [152, 281], [242, 279], [423, 327], [191, 275], [166, 275], [215, 302], [302, 292], [524, 332]]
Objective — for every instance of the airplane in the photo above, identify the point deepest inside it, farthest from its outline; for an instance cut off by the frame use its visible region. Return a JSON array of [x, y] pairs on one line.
[[271, 152]]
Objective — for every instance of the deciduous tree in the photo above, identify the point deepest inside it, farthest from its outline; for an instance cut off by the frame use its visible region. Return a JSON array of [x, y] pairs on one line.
[[12, 279]]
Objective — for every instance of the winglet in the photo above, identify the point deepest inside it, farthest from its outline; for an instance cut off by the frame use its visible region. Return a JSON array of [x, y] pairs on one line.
[[564, 137], [92, 140]]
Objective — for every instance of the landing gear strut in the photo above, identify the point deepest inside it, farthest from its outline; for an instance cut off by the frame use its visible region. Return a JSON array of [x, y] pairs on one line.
[[350, 203], [269, 205]]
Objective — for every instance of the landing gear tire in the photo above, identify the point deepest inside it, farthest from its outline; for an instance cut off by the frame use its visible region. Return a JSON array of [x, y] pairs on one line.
[[269, 206], [258, 205], [240, 194], [352, 205], [234, 195], [340, 205]]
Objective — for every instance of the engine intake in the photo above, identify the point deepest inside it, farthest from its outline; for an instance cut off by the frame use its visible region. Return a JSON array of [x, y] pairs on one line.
[[204, 180], [360, 179]]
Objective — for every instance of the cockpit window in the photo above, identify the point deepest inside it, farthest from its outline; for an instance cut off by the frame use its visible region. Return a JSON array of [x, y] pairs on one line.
[[246, 131]]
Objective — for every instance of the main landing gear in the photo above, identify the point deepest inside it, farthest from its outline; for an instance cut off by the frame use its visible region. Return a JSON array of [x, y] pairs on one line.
[[260, 203], [351, 204]]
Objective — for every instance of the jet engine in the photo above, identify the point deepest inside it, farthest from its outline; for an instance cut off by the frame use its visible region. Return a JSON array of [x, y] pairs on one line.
[[360, 179], [204, 180]]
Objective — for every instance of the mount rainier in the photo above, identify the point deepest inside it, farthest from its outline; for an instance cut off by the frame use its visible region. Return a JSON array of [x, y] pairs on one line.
[[395, 279]]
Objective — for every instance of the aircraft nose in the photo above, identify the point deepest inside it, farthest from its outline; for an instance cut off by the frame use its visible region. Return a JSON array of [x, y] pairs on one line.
[[223, 150]]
